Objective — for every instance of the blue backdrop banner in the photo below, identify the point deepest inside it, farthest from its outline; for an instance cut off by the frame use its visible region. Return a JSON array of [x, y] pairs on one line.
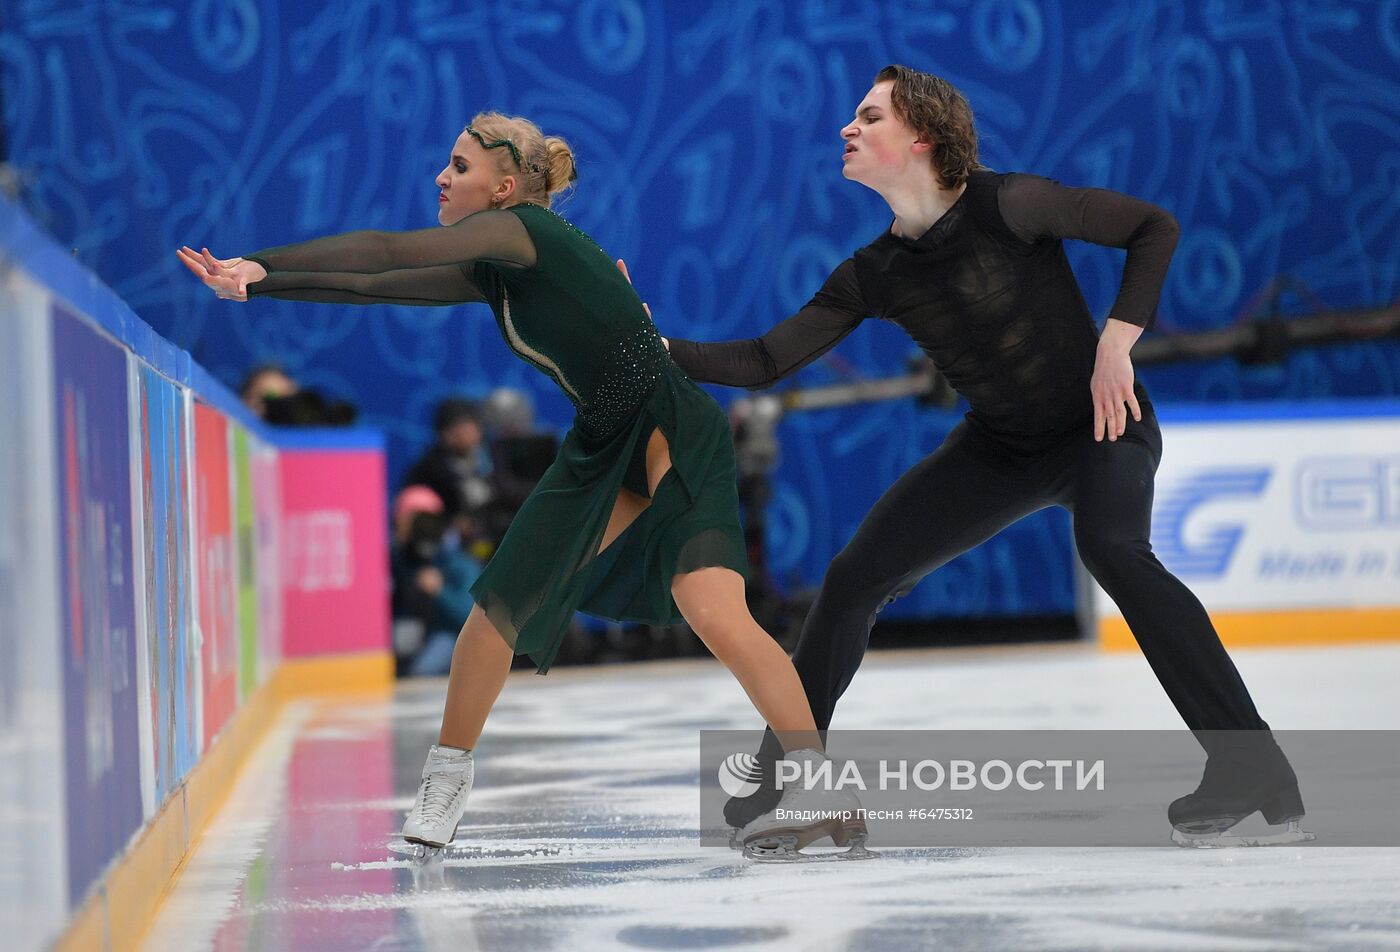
[[706, 137]]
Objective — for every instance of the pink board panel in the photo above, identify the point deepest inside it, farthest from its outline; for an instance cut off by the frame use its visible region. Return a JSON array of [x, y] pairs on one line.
[[335, 552], [215, 567]]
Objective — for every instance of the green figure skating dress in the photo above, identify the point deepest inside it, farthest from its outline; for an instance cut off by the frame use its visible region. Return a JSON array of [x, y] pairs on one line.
[[562, 305]]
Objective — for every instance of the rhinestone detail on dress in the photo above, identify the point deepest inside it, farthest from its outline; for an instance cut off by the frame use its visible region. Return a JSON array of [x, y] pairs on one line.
[[630, 373]]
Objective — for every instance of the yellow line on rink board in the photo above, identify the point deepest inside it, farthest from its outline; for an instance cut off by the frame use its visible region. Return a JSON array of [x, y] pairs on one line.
[[1329, 626], [122, 906], [340, 674]]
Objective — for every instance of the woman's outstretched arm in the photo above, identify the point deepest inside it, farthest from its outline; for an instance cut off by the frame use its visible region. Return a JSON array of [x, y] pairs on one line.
[[236, 279], [428, 267], [436, 286], [495, 235]]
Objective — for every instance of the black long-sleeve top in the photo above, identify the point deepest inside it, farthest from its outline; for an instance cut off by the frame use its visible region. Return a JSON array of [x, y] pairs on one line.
[[987, 293], [430, 267]]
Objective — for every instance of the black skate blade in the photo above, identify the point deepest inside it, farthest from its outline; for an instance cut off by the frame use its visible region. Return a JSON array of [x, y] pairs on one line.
[[1292, 833], [857, 849], [783, 849], [1209, 826]]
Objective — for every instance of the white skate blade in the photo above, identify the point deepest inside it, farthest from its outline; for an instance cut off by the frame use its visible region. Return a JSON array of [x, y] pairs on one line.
[[783, 849], [420, 854], [1293, 833]]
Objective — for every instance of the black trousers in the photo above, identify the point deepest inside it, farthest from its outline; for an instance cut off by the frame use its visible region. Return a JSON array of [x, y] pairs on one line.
[[972, 487]]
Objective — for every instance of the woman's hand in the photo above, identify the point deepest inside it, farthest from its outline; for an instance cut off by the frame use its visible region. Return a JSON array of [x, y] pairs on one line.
[[227, 278], [622, 266], [1112, 382]]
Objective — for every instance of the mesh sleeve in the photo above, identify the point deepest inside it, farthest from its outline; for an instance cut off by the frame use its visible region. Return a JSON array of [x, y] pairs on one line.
[[420, 287], [823, 322], [1035, 207], [497, 236]]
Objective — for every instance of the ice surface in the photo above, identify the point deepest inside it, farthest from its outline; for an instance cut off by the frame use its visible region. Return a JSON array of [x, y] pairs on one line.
[[581, 831]]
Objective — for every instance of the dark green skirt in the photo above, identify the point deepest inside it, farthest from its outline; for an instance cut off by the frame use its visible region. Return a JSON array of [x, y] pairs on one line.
[[548, 567]]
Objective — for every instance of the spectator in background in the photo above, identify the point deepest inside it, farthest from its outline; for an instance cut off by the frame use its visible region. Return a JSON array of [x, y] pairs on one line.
[[458, 469], [308, 408], [266, 382], [520, 453], [509, 412], [272, 394], [432, 580]]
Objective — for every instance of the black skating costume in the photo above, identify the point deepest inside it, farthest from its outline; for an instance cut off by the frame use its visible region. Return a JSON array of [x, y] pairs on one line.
[[988, 294]]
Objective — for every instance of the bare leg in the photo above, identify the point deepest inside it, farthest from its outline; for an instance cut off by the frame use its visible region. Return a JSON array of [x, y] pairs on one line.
[[625, 511], [481, 660], [712, 601], [629, 505], [480, 663]]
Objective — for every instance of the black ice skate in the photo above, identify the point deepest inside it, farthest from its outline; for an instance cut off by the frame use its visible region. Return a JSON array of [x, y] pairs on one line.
[[1241, 778], [739, 812], [806, 812]]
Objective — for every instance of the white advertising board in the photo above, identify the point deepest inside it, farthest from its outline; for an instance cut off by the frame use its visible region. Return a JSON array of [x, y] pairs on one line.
[[1280, 513]]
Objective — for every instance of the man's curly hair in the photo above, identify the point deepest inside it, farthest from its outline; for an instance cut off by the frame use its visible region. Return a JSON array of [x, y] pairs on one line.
[[940, 115]]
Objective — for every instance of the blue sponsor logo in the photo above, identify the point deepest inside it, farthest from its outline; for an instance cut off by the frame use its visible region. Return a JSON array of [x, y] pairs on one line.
[[1209, 551], [1347, 492]]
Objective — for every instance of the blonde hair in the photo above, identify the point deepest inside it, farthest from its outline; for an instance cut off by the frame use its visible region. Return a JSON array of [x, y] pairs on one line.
[[546, 165]]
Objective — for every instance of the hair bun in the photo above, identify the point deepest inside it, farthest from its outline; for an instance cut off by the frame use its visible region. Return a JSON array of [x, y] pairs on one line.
[[560, 171]]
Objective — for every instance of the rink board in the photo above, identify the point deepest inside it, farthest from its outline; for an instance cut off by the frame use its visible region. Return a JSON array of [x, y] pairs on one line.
[[144, 597], [1284, 519], [33, 897]]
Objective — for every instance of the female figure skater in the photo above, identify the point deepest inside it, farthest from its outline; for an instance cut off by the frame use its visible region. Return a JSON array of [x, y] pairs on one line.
[[973, 268], [637, 518]]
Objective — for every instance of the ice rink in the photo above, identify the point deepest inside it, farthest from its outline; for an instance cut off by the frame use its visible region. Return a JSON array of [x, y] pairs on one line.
[[582, 829]]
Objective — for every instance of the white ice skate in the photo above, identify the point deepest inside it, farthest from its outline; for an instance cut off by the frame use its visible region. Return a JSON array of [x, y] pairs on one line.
[[442, 799], [805, 815]]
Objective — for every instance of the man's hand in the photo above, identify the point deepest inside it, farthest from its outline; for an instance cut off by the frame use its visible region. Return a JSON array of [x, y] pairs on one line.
[[1112, 382]]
